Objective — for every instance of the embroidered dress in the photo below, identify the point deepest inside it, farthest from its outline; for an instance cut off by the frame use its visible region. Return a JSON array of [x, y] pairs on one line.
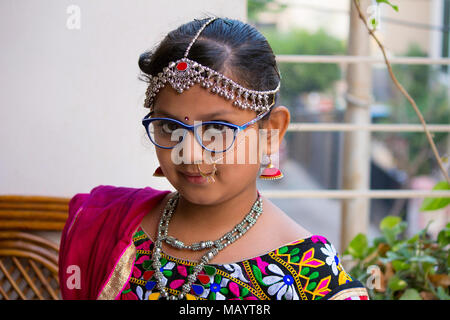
[[102, 239], [307, 269]]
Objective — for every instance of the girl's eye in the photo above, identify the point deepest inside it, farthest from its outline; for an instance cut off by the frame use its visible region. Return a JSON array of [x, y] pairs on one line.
[[169, 126], [215, 126]]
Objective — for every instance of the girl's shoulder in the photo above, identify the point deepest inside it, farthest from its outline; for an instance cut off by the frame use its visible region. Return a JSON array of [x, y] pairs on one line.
[[312, 266], [99, 226]]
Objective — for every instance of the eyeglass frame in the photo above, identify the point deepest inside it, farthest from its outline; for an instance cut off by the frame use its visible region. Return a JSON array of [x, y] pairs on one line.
[[237, 128]]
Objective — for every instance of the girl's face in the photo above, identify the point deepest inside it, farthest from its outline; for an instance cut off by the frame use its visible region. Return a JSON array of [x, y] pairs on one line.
[[237, 168]]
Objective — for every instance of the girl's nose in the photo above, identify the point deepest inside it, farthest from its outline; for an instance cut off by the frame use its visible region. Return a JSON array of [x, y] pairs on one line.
[[191, 150]]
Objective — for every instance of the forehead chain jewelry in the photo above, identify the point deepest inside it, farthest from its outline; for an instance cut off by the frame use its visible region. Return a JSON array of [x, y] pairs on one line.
[[184, 73]]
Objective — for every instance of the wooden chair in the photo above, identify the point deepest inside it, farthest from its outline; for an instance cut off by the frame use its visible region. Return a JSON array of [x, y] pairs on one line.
[[29, 262]]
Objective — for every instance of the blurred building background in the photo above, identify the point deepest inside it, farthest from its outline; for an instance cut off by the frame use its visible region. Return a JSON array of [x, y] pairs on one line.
[[316, 93]]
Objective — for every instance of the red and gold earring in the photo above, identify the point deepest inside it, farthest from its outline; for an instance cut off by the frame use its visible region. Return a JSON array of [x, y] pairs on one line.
[[158, 173], [271, 172]]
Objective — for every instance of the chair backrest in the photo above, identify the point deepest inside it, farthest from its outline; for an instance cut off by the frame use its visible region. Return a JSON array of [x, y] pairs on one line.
[[28, 262]]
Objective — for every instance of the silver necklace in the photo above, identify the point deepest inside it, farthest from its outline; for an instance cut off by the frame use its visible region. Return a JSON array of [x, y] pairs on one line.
[[215, 246]]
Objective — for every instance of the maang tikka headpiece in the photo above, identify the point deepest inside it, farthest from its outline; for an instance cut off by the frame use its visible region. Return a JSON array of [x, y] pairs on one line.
[[184, 73]]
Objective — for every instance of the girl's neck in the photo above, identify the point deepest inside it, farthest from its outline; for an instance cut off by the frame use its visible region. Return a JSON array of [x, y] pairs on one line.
[[212, 220]]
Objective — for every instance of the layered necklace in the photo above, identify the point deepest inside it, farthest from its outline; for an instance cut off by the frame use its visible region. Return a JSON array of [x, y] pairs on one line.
[[215, 246]]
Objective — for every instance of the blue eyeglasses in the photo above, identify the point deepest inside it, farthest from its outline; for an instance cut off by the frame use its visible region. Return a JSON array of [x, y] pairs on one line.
[[214, 136]]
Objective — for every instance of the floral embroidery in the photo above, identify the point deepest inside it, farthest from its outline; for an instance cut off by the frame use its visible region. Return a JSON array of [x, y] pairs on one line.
[[127, 294], [218, 289], [344, 277], [332, 259], [237, 271], [317, 238], [322, 288], [282, 285], [307, 269]]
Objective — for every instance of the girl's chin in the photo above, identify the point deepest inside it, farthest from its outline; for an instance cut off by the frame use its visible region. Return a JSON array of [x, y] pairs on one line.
[[204, 196]]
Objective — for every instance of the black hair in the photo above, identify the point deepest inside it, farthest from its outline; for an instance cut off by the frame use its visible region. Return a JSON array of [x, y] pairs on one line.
[[225, 45]]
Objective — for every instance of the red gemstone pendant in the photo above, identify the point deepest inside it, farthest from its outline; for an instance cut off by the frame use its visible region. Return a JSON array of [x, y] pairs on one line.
[[181, 66], [148, 274], [203, 278]]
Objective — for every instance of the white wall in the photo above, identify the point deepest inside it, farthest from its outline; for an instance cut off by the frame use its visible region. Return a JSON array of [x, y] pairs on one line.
[[70, 100]]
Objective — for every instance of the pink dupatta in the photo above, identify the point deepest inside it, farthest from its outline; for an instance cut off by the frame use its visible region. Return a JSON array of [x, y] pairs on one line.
[[96, 251]]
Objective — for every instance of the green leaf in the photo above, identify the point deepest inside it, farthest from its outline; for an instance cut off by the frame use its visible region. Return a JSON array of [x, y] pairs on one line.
[[283, 250], [210, 271], [167, 273], [304, 271], [392, 256], [396, 283], [294, 251], [430, 204], [224, 290], [400, 265], [413, 239], [374, 23], [358, 246], [314, 275], [389, 222], [424, 259], [393, 6], [442, 294], [391, 226], [138, 233], [411, 294], [443, 237], [147, 264], [311, 286], [258, 275], [448, 261]]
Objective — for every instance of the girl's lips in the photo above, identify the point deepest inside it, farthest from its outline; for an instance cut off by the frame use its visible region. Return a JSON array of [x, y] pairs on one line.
[[194, 178], [192, 174]]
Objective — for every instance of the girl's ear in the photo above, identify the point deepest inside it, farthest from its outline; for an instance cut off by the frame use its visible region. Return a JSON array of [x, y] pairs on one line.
[[276, 126]]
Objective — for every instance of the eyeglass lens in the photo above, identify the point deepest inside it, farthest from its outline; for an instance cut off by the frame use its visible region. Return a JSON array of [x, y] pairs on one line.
[[212, 136]]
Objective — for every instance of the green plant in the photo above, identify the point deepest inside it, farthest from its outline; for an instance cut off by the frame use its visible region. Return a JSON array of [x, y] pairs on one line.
[[436, 203], [395, 267], [301, 78], [256, 6]]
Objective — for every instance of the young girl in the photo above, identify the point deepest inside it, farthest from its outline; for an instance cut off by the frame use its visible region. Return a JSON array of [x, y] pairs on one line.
[[212, 88]]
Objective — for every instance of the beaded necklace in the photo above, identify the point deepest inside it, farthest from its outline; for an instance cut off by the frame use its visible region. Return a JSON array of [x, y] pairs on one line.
[[228, 238]]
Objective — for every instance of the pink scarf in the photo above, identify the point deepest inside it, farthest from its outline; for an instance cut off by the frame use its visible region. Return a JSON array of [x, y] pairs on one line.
[[97, 239]]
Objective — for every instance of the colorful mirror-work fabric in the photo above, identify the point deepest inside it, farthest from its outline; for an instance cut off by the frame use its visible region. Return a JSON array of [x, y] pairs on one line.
[[307, 269]]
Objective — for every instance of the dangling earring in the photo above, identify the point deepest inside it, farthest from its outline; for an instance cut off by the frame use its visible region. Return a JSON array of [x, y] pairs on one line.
[[271, 172], [158, 173]]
